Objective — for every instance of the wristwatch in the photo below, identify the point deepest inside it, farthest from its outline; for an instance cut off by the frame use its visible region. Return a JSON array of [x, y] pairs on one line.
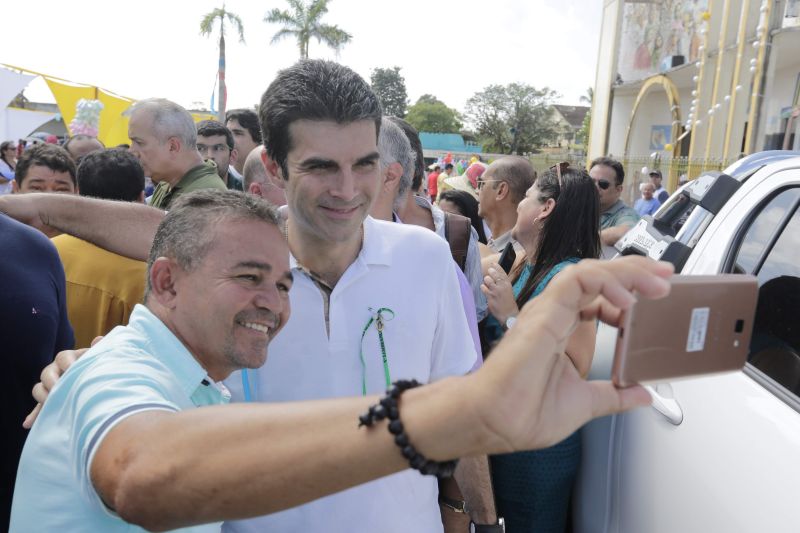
[[499, 527], [510, 321]]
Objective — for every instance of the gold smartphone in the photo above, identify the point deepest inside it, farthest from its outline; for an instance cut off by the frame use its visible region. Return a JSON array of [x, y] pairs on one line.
[[703, 327]]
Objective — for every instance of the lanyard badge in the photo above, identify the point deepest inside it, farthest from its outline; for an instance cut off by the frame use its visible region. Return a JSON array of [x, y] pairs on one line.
[[379, 319]]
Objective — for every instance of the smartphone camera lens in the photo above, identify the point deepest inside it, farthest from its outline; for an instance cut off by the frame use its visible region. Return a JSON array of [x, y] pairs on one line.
[[739, 326]]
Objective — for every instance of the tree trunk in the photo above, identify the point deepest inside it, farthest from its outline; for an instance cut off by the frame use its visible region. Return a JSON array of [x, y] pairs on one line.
[[223, 92]]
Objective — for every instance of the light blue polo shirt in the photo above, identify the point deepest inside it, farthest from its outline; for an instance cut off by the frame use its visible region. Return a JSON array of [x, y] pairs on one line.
[[138, 367]]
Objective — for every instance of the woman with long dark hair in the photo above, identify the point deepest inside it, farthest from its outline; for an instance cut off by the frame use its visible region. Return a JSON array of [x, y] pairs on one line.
[[557, 225], [464, 204], [8, 162]]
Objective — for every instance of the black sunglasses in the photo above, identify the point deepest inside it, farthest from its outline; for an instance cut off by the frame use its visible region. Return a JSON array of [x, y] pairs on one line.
[[603, 184]]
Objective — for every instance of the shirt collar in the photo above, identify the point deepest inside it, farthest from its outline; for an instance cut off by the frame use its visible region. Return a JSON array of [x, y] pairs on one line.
[[616, 206], [375, 249], [193, 378]]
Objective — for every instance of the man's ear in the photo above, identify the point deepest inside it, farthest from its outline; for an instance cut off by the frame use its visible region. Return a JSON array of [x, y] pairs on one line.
[[392, 175], [502, 191], [274, 170], [163, 276], [234, 156], [255, 189], [175, 145]]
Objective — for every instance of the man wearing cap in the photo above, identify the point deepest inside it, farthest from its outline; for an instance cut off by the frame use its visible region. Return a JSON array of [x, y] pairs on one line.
[[660, 193]]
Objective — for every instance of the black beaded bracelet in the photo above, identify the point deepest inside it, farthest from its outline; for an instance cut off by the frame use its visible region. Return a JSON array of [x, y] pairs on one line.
[[388, 408]]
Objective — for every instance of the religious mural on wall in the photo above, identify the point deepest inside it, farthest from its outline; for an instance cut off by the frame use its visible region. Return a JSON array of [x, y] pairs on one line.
[[656, 30]]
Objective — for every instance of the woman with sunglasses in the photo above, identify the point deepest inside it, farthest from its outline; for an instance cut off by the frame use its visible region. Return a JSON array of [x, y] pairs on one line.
[[557, 225], [8, 162]]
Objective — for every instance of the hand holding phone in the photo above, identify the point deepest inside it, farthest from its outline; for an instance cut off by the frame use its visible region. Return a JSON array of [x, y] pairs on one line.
[[703, 327], [507, 258]]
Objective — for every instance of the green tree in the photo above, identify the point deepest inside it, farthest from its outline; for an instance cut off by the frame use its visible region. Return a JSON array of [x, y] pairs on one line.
[[582, 137], [431, 115], [514, 118], [206, 29], [304, 23], [390, 87]]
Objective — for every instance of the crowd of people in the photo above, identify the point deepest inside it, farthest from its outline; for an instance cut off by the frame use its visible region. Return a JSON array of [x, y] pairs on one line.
[[319, 208]]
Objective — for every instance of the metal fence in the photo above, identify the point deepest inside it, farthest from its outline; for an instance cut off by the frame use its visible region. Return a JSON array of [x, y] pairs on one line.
[[674, 170]]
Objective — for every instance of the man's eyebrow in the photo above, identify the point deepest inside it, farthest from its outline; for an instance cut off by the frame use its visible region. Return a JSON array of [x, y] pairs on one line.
[[369, 158], [318, 162], [254, 264]]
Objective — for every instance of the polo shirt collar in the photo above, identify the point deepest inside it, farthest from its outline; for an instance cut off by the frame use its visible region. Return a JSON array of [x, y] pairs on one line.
[[616, 206], [192, 377], [375, 250]]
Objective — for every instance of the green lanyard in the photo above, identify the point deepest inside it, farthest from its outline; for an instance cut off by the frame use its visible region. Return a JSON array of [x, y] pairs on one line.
[[380, 322]]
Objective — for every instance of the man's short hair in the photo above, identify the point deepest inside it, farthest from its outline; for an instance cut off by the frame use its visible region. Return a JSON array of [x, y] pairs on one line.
[[517, 172], [247, 119], [313, 89], [187, 231], [45, 155], [169, 120], [253, 171], [113, 174], [619, 170], [394, 147], [416, 144], [208, 128], [448, 166]]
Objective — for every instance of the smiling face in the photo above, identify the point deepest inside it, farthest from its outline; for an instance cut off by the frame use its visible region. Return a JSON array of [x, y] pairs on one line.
[[334, 176], [235, 301]]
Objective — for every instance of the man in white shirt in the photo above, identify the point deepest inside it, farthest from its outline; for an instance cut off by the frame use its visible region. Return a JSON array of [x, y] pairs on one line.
[[359, 320]]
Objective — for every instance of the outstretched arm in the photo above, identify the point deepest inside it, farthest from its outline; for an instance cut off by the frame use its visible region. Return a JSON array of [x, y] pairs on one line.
[[165, 470], [125, 228]]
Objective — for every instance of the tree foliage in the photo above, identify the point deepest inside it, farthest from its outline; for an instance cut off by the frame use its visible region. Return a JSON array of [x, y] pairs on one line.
[[431, 115], [304, 22], [390, 87], [513, 119], [582, 137]]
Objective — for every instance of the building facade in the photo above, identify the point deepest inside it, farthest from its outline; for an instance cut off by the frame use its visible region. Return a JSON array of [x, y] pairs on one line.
[[687, 85]]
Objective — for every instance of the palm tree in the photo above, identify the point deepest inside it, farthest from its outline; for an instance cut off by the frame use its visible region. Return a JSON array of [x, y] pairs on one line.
[[206, 28], [304, 23], [588, 98]]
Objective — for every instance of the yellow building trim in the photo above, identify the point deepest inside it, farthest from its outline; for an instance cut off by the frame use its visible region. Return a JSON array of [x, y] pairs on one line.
[[723, 35], [737, 72], [698, 96], [673, 99], [763, 35]]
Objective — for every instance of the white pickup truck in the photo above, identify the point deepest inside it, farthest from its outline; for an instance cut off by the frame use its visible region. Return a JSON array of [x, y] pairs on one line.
[[719, 453]]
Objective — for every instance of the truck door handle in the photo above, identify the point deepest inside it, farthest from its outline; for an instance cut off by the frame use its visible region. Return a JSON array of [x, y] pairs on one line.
[[667, 406]]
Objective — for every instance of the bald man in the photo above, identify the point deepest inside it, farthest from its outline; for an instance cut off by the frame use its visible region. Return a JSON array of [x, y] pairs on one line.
[[256, 180], [80, 145]]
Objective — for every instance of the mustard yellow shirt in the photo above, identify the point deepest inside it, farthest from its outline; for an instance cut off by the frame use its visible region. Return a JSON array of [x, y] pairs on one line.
[[102, 287]]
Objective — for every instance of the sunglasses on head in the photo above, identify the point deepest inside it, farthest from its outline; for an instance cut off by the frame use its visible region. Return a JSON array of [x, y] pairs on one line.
[[559, 169]]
